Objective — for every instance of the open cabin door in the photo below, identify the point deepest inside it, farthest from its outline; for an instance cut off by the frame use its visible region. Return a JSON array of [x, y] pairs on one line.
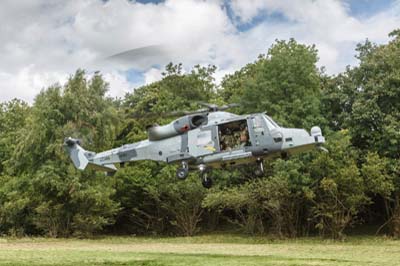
[[234, 135]]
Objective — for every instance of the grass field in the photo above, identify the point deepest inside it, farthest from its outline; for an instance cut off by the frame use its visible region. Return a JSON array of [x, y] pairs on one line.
[[202, 250]]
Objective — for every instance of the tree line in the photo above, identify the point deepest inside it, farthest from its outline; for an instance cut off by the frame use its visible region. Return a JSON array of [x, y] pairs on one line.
[[354, 186]]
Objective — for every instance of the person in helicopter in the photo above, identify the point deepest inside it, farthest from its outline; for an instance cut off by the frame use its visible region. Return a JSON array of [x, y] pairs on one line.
[[244, 136]]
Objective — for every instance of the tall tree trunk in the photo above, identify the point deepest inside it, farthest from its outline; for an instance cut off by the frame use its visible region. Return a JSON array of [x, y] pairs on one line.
[[395, 222]]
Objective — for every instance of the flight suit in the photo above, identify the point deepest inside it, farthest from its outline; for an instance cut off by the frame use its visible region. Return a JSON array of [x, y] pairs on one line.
[[236, 139], [227, 142]]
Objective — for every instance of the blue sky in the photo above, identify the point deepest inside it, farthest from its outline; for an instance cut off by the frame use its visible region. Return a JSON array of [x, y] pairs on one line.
[[44, 42], [362, 8]]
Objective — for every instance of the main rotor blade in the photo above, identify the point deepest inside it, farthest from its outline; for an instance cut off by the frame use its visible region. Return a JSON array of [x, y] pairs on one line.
[[199, 111], [213, 107], [139, 53], [142, 57], [171, 114], [228, 106], [157, 115], [210, 108]]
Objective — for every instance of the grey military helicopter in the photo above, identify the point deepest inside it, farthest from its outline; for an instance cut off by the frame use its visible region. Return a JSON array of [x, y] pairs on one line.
[[202, 140]]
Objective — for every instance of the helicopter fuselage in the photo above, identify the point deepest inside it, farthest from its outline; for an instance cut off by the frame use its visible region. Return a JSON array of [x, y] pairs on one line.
[[220, 139]]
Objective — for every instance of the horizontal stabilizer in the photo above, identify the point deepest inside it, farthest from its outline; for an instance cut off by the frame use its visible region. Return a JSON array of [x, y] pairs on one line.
[[106, 167]]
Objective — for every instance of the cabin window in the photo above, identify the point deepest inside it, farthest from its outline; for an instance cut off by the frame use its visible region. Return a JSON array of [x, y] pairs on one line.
[[233, 135]]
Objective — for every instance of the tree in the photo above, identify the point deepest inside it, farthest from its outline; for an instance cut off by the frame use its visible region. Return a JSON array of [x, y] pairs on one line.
[[13, 115], [340, 193], [379, 180], [180, 200], [151, 198], [285, 83], [139, 213], [272, 204], [61, 200], [373, 122], [337, 99]]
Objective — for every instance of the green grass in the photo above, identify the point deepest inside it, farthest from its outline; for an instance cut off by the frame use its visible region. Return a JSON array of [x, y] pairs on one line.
[[201, 250]]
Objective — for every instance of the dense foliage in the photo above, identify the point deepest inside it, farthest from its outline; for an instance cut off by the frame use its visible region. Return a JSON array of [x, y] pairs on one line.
[[357, 183]]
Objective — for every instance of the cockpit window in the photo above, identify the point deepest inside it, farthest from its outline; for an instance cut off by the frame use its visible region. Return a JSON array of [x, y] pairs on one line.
[[257, 122], [270, 123]]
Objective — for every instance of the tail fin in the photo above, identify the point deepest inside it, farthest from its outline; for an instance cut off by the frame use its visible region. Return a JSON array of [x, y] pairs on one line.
[[82, 158], [76, 153]]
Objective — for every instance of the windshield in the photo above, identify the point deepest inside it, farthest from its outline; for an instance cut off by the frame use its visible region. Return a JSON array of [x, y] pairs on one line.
[[270, 123]]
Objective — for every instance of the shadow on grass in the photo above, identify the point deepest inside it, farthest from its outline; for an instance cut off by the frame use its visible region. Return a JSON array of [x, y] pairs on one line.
[[92, 263], [203, 259]]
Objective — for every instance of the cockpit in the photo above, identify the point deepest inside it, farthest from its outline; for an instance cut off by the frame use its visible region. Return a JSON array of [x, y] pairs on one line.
[[260, 120], [271, 124]]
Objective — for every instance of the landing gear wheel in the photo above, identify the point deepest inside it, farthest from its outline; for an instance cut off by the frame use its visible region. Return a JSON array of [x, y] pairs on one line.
[[206, 182], [260, 168], [182, 173], [258, 173]]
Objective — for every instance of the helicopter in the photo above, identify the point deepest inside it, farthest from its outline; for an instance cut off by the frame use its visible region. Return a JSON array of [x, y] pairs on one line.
[[203, 140]]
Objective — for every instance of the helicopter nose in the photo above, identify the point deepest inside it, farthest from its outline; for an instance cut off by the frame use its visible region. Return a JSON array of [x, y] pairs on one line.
[[295, 136], [298, 140]]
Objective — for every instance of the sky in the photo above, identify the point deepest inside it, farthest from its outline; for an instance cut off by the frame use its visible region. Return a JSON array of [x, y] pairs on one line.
[[44, 42]]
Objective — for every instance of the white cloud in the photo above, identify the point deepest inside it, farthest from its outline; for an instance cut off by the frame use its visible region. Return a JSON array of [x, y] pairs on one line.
[[247, 10], [118, 84], [328, 24], [43, 42], [61, 36], [27, 82], [153, 75]]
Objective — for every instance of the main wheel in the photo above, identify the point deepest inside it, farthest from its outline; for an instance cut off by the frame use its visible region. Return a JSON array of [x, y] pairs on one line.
[[260, 168], [206, 181], [182, 173], [258, 173]]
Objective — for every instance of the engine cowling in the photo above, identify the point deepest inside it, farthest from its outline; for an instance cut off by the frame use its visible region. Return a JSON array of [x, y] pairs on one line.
[[177, 127]]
